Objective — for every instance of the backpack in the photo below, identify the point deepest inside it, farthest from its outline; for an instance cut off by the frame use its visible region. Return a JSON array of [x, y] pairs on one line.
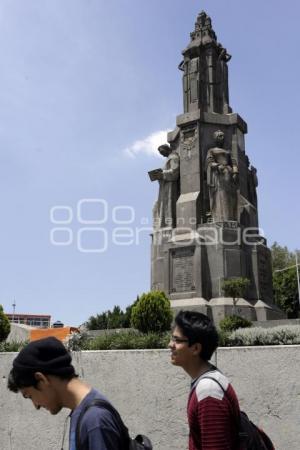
[[140, 442], [250, 437]]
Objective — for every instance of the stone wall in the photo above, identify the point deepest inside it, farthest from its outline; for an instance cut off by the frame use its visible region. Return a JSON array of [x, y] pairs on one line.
[[151, 396], [19, 332]]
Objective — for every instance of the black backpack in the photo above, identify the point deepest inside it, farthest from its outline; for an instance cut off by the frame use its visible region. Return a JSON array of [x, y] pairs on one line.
[[140, 442], [250, 437]]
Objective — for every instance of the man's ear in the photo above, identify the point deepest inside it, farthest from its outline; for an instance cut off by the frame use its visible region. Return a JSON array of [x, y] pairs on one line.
[[41, 379], [196, 349]]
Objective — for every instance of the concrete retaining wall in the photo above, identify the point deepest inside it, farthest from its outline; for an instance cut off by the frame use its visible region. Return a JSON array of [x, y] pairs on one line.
[[151, 396]]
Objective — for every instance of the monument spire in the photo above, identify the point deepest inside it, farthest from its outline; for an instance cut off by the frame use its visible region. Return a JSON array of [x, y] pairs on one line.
[[203, 28], [205, 79]]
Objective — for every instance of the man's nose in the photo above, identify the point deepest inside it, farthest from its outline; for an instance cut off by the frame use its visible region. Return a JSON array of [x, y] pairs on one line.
[[171, 344]]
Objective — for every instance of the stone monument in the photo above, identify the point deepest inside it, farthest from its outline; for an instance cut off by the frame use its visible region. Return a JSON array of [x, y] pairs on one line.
[[205, 221]]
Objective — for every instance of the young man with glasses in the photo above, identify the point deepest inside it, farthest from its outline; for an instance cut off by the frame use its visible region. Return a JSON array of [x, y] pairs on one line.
[[213, 408]]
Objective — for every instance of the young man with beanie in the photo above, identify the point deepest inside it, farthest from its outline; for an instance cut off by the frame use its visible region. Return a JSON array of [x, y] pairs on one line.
[[43, 372], [213, 408]]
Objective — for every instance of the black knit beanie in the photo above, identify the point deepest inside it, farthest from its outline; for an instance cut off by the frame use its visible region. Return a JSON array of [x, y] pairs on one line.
[[47, 355]]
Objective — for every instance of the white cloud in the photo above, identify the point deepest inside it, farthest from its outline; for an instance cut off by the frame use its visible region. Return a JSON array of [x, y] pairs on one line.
[[148, 145]]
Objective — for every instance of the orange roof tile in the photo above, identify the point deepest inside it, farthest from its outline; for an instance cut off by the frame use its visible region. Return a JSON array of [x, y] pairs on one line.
[[59, 333]]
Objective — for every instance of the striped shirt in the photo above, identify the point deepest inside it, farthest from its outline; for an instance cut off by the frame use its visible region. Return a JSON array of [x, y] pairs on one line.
[[212, 414]]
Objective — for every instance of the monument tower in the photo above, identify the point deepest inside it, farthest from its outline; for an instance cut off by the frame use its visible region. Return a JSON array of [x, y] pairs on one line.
[[205, 221]]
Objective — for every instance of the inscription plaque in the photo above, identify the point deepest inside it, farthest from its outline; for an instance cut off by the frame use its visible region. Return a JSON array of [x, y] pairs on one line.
[[182, 270]]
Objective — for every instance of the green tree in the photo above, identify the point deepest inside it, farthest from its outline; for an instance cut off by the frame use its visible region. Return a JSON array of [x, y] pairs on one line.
[[285, 286], [152, 313], [115, 318], [98, 322], [235, 288], [4, 325], [281, 257], [128, 312], [285, 290], [111, 319]]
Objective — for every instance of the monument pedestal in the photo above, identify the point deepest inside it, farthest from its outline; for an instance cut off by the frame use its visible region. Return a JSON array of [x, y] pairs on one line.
[[190, 268], [226, 306], [266, 311], [194, 303]]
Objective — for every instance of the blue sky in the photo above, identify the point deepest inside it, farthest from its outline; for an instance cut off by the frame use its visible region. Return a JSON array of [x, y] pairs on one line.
[[88, 89]]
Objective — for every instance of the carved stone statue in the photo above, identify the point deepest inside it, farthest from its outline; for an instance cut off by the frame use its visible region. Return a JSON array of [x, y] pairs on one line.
[[252, 185], [164, 211], [222, 79], [222, 179]]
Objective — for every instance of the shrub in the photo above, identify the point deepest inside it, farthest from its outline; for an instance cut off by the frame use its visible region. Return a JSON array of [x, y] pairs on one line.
[[12, 346], [4, 325], [126, 340], [223, 338], [152, 313], [231, 323], [280, 335], [77, 341]]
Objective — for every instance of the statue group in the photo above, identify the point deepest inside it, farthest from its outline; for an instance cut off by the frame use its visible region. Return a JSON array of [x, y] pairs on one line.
[[222, 177]]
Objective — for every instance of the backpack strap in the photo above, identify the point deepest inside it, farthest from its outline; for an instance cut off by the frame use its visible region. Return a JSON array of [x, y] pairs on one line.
[[225, 392], [238, 419], [216, 381], [101, 403]]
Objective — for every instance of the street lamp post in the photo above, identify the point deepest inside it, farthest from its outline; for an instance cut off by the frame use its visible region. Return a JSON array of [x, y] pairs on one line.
[[298, 282]]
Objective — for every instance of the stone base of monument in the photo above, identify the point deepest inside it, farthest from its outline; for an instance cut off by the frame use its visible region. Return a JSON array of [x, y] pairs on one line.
[[220, 307], [195, 304], [268, 312], [224, 306]]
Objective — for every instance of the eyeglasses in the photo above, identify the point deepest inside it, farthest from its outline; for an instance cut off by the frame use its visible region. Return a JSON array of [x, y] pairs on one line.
[[178, 340]]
